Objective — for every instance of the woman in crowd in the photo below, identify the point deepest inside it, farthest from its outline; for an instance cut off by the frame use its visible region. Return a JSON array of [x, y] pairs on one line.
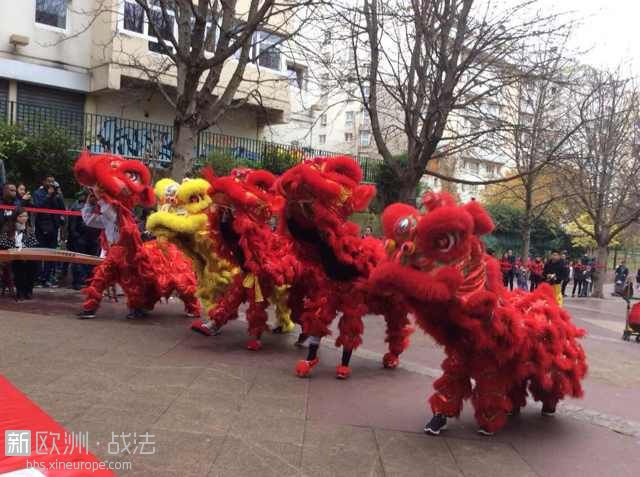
[[23, 196], [18, 234]]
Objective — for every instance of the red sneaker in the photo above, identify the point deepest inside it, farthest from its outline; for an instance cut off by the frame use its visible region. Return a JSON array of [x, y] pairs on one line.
[[207, 328], [254, 345], [390, 361], [304, 367], [343, 372]]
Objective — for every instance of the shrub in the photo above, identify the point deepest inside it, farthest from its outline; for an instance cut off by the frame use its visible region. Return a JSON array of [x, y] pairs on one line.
[[30, 157]]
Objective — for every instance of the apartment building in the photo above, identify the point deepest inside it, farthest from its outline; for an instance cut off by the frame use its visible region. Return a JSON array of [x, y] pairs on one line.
[[58, 54]]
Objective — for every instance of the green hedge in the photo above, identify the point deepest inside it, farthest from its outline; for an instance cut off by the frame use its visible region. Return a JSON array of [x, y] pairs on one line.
[[30, 157]]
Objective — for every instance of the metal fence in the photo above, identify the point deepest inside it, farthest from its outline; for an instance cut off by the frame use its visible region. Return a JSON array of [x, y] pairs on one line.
[[153, 142]]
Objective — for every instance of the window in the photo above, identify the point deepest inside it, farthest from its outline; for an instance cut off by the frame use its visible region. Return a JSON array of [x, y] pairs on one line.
[[365, 138], [210, 39], [133, 17], [297, 75], [366, 121], [268, 50], [52, 13], [323, 119], [164, 23], [327, 37], [348, 137], [365, 92], [349, 118], [322, 138]]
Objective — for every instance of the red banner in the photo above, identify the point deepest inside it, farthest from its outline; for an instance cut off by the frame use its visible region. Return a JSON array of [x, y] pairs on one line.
[[42, 211]]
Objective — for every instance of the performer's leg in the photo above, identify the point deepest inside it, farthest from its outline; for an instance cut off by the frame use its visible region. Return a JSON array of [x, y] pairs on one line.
[[225, 309], [452, 388], [257, 318], [187, 292], [490, 399], [318, 314], [280, 298], [105, 275], [518, 397], [398, 331], [351, 328]]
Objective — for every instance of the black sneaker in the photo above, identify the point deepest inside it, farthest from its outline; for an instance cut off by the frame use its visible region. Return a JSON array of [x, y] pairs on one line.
[[548, 410], [87, 314], [437, 423]]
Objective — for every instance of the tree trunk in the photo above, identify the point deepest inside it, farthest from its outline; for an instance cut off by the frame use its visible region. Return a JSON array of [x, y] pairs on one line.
[[184, 146], [407, 193], [602, 256], [526, 241]]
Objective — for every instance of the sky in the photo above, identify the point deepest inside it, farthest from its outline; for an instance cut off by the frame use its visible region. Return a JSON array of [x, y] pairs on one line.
[[609, 29]]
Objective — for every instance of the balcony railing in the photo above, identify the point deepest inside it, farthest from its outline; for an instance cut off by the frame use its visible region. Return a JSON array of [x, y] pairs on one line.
[[153, 142]]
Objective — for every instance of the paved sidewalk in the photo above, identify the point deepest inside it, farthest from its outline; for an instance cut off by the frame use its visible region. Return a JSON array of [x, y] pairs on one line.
[[215, 409]]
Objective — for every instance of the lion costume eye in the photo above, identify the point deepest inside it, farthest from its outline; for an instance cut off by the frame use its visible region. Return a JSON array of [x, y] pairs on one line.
[[405, 227], [444, 243], [133, 176]]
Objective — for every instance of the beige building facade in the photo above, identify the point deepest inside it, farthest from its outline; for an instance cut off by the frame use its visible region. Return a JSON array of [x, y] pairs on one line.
[[67, 54]]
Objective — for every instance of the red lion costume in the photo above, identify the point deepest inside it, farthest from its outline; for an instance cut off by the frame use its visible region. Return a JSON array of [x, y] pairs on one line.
[[509, 343], [335, 260], [243, 205], [146, 271]]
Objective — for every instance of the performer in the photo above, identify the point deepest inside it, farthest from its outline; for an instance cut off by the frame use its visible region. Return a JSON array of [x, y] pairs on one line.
[[335, 260], [509, 343], [145, 271]]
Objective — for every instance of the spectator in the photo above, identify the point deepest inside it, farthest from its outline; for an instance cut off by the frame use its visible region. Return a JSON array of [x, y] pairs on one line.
[[48, 196], [621, 275], [622, 271], [8, 198], [81, 239], [23, 197], [368, 231], [638, 277], [18, 234], [505, 268], [521, 276], [3, 174], [553, 272], [508, 265], [568, 272], [536, 267], [588, 281], [578, 278]]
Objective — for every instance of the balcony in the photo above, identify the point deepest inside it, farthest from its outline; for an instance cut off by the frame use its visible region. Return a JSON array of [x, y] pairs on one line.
[[152, 142]]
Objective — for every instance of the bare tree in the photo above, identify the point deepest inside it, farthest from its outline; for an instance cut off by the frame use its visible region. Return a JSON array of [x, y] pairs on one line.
[[603, 168], [432, 60], [198, 53], [533, 121]]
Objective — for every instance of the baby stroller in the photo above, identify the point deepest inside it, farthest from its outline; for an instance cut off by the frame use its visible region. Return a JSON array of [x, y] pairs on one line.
[[632, 322]]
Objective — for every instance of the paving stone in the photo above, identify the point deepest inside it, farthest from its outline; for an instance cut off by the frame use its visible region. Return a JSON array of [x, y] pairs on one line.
[[487, 457], [284, 429], [274, 406], [190, 417], [326, 461], [336, 436], [179, 453], [242, 457], [404, 453]]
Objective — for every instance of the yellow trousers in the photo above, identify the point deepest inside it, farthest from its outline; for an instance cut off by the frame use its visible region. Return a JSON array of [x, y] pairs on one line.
[[558, 290]]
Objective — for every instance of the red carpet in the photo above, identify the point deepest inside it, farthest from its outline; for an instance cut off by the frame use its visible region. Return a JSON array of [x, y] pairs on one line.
[[45, 447]]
